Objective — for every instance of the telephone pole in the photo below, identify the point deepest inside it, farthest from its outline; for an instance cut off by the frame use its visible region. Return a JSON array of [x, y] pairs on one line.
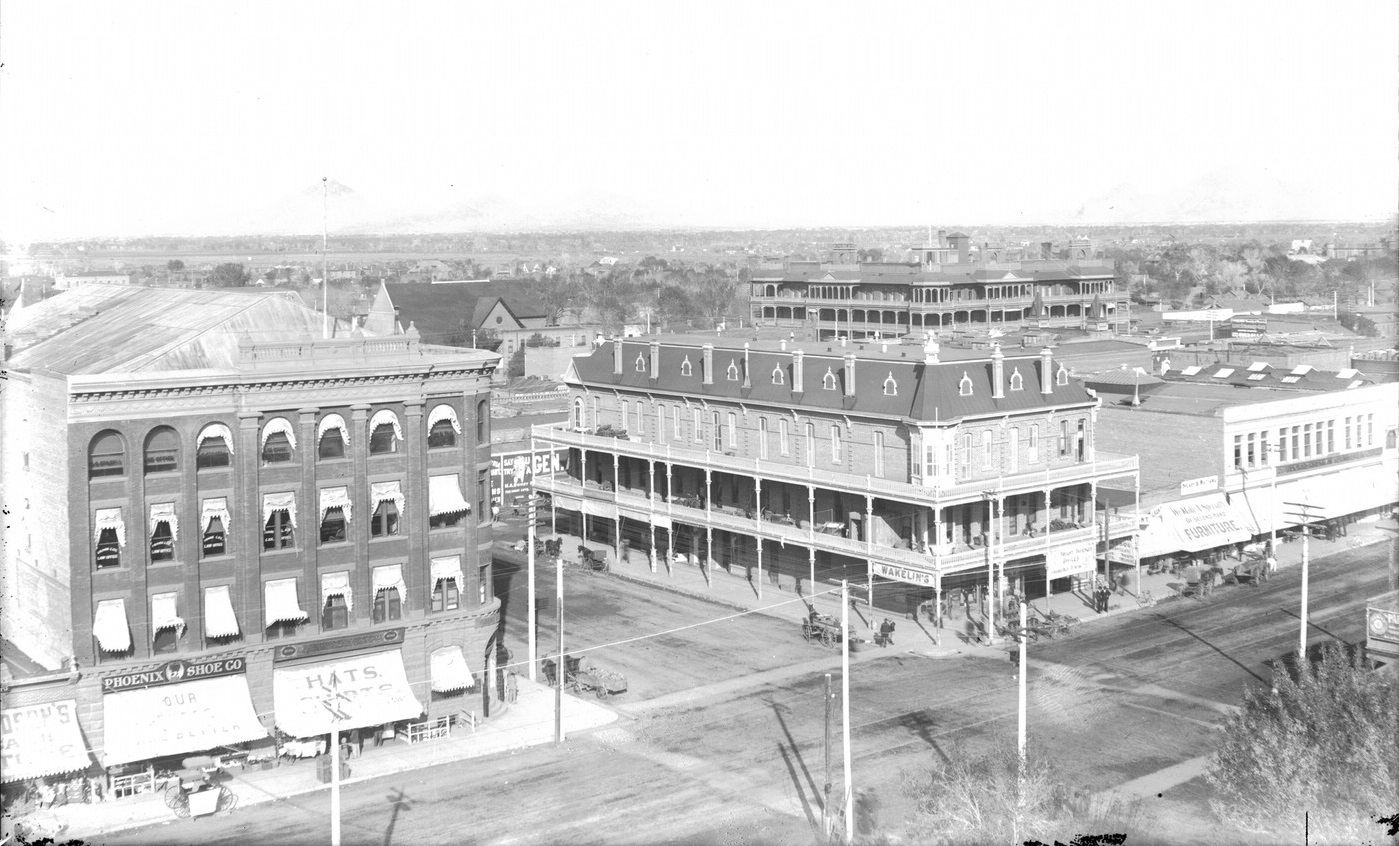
[[1303, 510]]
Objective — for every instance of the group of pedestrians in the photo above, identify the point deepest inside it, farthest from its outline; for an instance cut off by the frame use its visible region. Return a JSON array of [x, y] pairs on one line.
[[1102, 592]]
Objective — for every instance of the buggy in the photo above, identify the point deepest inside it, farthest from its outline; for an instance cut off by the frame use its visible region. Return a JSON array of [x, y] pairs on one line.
[[594, 561], [824, 628]]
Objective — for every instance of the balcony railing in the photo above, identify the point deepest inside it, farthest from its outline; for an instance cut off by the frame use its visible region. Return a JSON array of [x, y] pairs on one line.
[[1105, 465]]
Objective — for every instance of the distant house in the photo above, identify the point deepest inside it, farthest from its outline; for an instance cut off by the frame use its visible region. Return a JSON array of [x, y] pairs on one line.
[[68, 281]]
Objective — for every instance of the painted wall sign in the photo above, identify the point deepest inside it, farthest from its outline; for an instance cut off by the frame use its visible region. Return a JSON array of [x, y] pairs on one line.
[[1204, 484], [902, 574], [291, 651]]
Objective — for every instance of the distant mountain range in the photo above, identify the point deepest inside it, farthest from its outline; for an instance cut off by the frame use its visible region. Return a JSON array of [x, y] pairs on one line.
[[1217, 197]]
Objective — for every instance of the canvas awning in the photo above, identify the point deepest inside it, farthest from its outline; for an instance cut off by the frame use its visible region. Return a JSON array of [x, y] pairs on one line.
[[280, 602], [215, 430], [386, 492], [444, 412], [274, 502], [164, 512], [385, 417], [275, 425], [450, 672], [337, 584], [109, 518], [389, 576], [219, 619], [333, 421], [366, 690], [336, 498], [42, 740], [215, 508], [109, 626], [165, 613], [444, 495], [172, 719], [446, 567], [1193, 525]]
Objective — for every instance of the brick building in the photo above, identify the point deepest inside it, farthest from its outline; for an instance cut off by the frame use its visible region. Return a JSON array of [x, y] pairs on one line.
[[222, 524], [890, 465]]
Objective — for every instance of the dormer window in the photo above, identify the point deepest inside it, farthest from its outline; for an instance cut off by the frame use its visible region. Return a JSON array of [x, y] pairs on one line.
[[891, 388], [685, 367], [640, 364], [733, 371], [777, 377], [964, 388], [1017, 382], [1062, 377], [829, 380]]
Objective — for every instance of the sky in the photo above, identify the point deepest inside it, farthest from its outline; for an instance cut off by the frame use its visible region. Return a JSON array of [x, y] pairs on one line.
[[141, 118]]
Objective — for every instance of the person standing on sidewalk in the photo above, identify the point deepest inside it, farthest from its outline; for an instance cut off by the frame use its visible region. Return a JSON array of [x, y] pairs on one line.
[[1272, 563]]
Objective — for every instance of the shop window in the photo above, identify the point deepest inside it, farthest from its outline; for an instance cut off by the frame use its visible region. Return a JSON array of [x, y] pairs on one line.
[[278, 532], [284, 628], [332, 444], [388, 606], [166, 641], [106, 456], [277, 448], [383, 441], [162, 451], [385, 520], [445, 596], [333, 525], [162, 543], [441, 435], [212, 453], [108, 549], [335, 614], [215, 542]]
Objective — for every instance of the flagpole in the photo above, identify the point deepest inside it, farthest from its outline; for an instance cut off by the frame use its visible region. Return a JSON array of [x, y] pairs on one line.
[[325, 272]]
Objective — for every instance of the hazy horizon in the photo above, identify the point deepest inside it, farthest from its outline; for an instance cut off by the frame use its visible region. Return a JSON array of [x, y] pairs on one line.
[[146, 118]]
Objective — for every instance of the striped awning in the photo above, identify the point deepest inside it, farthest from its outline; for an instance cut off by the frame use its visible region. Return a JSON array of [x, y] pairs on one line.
[[386, 492], [385, 417], [280, 603], [109, 626], [110, 518], [333, 421], [279, 424], [164, 512], [337, 584], [450, 672], [165, 613], [388, 577], [444, 412], [219, 619], [336, 498], [42, 740], [446, 567], [215, 430], [274, 502], [216, 508]]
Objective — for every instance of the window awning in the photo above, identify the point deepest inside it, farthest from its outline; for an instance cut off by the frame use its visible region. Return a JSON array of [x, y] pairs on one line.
[[1193, 525], [386, 492], [314, 699], [280, 603], [219, 619], [446, 567], [450, 672], [336, 498], [444, 412], [387, 577], [215, 430], [337, 584], [109, 626], [173, 719], [444, 495], [164, 512], [42, 740], [279, 502], [165, 613], [110, 518], [215, 508], [275, 425], [333, 421], [385, 417]]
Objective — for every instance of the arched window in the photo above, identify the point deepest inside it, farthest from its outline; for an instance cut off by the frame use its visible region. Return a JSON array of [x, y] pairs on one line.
[[483, 421], [332, 437], [278, 440], [829, 380], [442, 427], [640, 363], [777, 377], [1062, 377], [733, 371], [891, 388], [685, 368], [106, 456], [578, 421], [214, 447], [964, 387], [1017, 382], [162, 451], [384, 433]]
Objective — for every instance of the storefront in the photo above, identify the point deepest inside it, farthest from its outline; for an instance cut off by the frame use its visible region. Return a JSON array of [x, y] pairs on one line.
[[1194, 525], [359, 692], [41, 741]]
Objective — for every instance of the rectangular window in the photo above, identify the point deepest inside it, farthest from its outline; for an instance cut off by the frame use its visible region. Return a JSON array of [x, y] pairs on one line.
[[697, 421], [1238, 451], [675, 432], [660, 424], [483, 496], [388, 605], [762, 437], [162, 543], [1013, 449], [1348, 446], [445, 596], [626, 409], [835, 444], [1282, 444], [1081, 440], [733, 431], [333, 525], [966, 455], [1307, 440], [878, 454], [214, 538], [335, 614], [385, 520], [810, 445], [784, 433], [1034, 451], [1370, 428], [1330, 436], [596, 420], [483, 582], [1063, 437], [277, 531], [1296, 442], [930, 461], [717, 432], [640, 420]]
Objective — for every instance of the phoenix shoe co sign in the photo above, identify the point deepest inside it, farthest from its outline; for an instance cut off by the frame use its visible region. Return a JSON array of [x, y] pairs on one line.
[[175, 672]]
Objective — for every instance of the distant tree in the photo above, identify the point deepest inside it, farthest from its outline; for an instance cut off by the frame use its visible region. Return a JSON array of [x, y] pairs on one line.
[[1359, 324], [174, 264], [540, 340], [1324, 741], [516, 365], [228, 275]]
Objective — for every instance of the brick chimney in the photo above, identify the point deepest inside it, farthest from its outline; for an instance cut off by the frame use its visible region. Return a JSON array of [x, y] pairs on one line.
[[655, 359], [998, 373], [747, 380], [931, 349], [1046, 371], [617, 356], [1046, 249], [850, 374], [797, 356], [708, 365]]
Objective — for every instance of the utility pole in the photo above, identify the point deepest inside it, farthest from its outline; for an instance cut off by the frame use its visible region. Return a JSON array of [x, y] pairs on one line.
[[1304, 509], [845, 706], [532, 618], [1021, 736], [335, 786], [826, 790], [562, 668], [325, 274]]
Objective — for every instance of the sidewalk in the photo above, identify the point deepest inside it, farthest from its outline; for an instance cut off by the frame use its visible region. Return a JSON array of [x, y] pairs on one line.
[[958, 634], [529, 721]]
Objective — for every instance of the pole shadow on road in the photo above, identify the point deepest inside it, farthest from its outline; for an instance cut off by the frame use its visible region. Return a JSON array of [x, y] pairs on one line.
[[787, 757], [400, 803], [1236, 662]]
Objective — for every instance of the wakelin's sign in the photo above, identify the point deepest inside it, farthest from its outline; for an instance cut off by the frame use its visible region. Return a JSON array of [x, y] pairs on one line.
[[175, 672]]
